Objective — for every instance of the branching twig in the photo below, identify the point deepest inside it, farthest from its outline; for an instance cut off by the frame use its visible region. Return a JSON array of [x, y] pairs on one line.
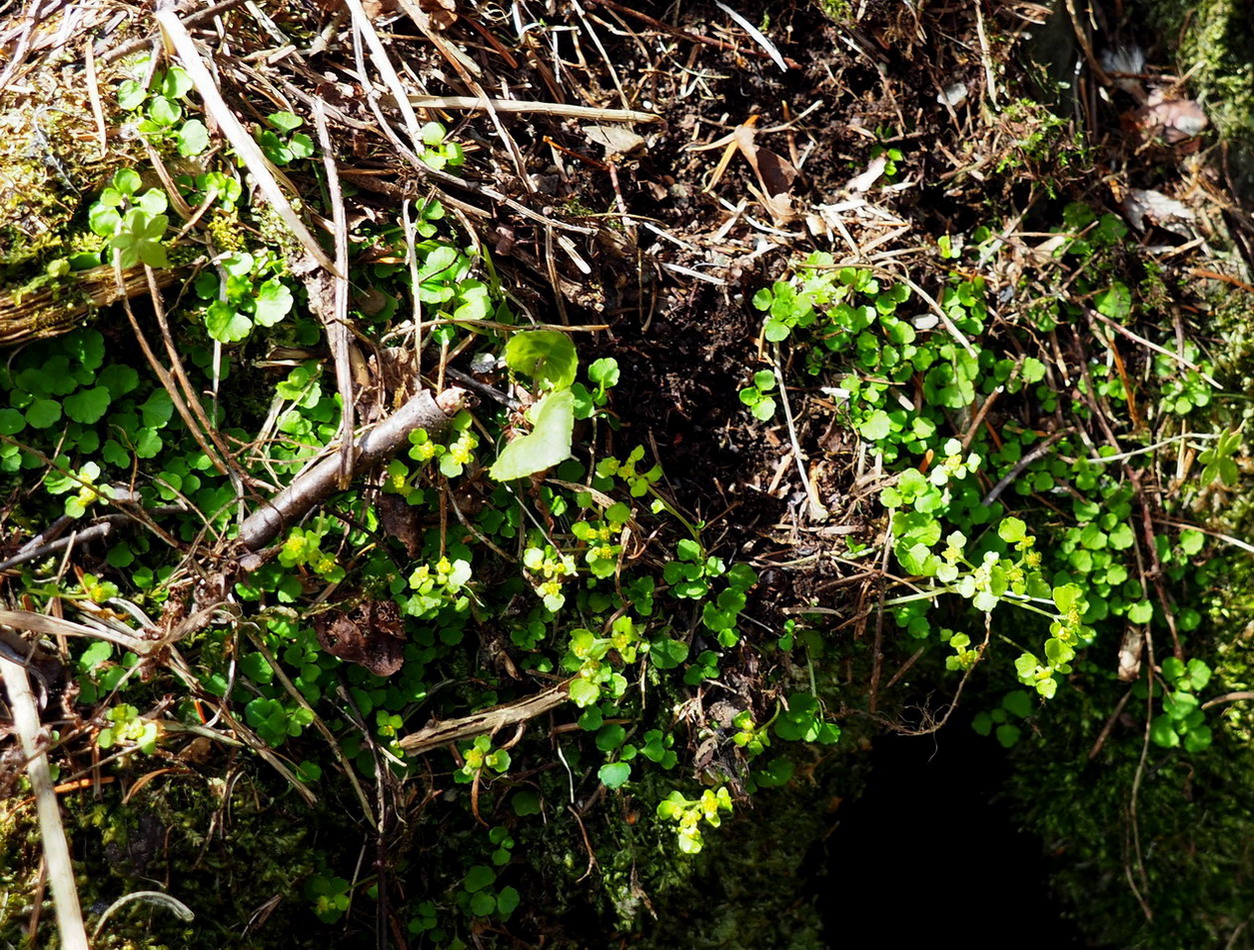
[[103, 527], [816, 509], [315, 484], [1023, 463]]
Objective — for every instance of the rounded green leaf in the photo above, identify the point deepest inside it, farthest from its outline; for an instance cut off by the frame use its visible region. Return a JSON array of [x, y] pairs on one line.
[[432, 134], [776, 331], [157, 409], [604, 372], [479, 877], [611, 737], [1018, 702], [285, 121], [547, 356], [1191, 541], [584, 693], [121, 555], [147, 443], [1163, 733], [1012, 530], [1173, 668], [131, 95], [89, 405], [1115, 301], [1008, 735], [193, 138], [274, 302], [1196, 740], [614, 774], [764, 411], [43, 413], [176, 83], [94, 655], [127, 181], [119, 379], [164, 111], [153, 201], [300, 145], [667, 653], [11, 422], [507, 901], [103, 220], [526, 802], [226, 324], [876, 426]]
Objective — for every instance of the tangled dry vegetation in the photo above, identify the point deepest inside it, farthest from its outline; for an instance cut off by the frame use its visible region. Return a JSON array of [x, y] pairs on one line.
[[352, 587]]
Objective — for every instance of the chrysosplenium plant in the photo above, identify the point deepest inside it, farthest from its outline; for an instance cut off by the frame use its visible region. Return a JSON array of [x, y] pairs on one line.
[[963, 498]]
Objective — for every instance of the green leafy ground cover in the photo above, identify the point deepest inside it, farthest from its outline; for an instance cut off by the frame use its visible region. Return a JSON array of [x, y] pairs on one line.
[[1034, 482]]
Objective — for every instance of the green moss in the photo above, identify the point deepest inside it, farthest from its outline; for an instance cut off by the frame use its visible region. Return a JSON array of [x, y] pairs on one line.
[[224, 848], [1198, 865]]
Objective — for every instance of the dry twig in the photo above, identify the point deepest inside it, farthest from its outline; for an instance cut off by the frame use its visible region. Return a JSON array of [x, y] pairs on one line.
[[56, 850], [243, 143], [487, 721]]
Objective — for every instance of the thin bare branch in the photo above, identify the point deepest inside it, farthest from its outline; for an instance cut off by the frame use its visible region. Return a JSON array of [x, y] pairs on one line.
[[487, 721], [317, 483], [56, 849]]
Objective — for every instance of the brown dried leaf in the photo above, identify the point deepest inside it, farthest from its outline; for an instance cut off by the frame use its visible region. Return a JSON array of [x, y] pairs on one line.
[[371, 635], [614, 139], [400, 520], [774, 173], [1130, 654], [440, 13]]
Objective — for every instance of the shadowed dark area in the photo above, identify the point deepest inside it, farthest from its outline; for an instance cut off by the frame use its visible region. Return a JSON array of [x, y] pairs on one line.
[[927, 852]]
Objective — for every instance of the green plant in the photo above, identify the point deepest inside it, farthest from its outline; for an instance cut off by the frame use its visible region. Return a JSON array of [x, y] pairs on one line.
[[243, 297], [1182, 720], [1218, 462], [751, 737], [441, 152], [128, 727], [162, 109], [478, 897], [549, 359], [330, 895], [588, 656], [303, 547], [757, 396], [479, 757], [690, 813], [281, 143], [1016, 704], [802, 720], [134, 224], [891, 157]]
